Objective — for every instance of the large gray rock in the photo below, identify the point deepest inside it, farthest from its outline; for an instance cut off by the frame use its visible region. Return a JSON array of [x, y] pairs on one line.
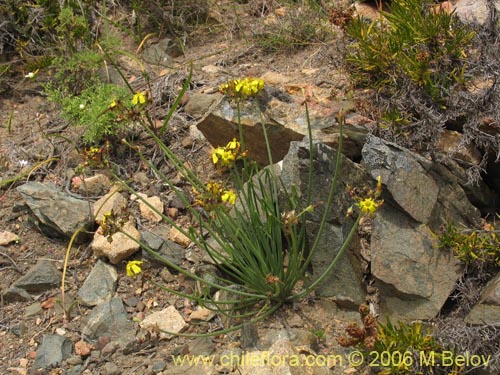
[[109, 318], [487, 311], [41, 277], [53, 351], [414, 278], [343, 282], [99, 285], [58, 214], [427, 191]]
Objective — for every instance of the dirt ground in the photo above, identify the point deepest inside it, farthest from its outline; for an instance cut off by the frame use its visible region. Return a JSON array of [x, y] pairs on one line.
[[219, 51]]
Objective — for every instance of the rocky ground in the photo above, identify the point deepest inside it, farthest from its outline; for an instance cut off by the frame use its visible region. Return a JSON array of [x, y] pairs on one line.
[[99, 325]]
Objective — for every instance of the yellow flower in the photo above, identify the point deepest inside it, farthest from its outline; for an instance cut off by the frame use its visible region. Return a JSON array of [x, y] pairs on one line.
[[233, 145], [138, 98], [242, 88], [229, 196], [114, 103], [134, 268], [368, 206]]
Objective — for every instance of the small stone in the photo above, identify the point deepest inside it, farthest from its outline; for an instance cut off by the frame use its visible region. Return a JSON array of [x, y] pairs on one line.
[[14, 294], [200, 104], [166, 276], [83, 348], [249, 336], [172, 212], [32, 310], [201, 314], [121, 246], [109, 318], [99, 285], [113, 202], [94, 185], [153, 213], [7, 237], [53, 350], [201, 346], [187, 142], [167, 319], [176, 236], [41, 277], [110, 368]]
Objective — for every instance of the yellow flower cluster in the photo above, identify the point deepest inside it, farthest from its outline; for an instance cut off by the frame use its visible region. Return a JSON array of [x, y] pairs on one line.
[[138, 99], [226, 156], [242, 88], [134, 268], [215, 195]]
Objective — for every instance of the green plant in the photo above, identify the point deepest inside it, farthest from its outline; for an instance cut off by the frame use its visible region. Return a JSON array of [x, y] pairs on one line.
[[261, 251], [93, 109], [395, 349], [415, 41], [472, 246]]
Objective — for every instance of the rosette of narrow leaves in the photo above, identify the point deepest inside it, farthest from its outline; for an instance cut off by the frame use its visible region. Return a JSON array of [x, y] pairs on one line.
[[261, 252]]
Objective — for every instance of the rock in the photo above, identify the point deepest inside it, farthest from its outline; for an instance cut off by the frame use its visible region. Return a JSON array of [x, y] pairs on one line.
[[94, 185], [476, 11], [162, 52], [426, 190], [7, 237], [39, 278], [109, 318], [201, 346], [53, 350], [365, 10], [201, 315], [58, 214], [14, 294], [451, 143], [413, 276], [167, 319], [249, 336], [200, 104], [111, 368], [121, 245], [33, 309], [113, 202], [178, 237], [343, 282], [154, 212], [487, 310], [173, 252], [99, 285]]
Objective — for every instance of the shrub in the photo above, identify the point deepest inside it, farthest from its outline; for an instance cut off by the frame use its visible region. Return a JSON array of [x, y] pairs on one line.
[[413, 40]]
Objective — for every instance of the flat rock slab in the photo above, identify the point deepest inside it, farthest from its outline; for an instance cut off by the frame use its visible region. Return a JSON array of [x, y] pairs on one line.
[[58, 214], [99, 285], [413, 276], [43, 276]]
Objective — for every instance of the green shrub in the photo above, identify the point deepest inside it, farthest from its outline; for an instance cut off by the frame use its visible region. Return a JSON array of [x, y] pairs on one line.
[[473, 246], [92, 109], [411, 41]]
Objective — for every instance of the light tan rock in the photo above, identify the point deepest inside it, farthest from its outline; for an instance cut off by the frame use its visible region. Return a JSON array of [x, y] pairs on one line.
[[7, 237], [146, 211], [176, 236], [94, 185], [167, 319], [113, 202], [201, 314], [121, 246]]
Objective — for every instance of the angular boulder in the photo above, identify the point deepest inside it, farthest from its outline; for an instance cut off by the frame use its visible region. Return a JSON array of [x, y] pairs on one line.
[[58, 214]]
